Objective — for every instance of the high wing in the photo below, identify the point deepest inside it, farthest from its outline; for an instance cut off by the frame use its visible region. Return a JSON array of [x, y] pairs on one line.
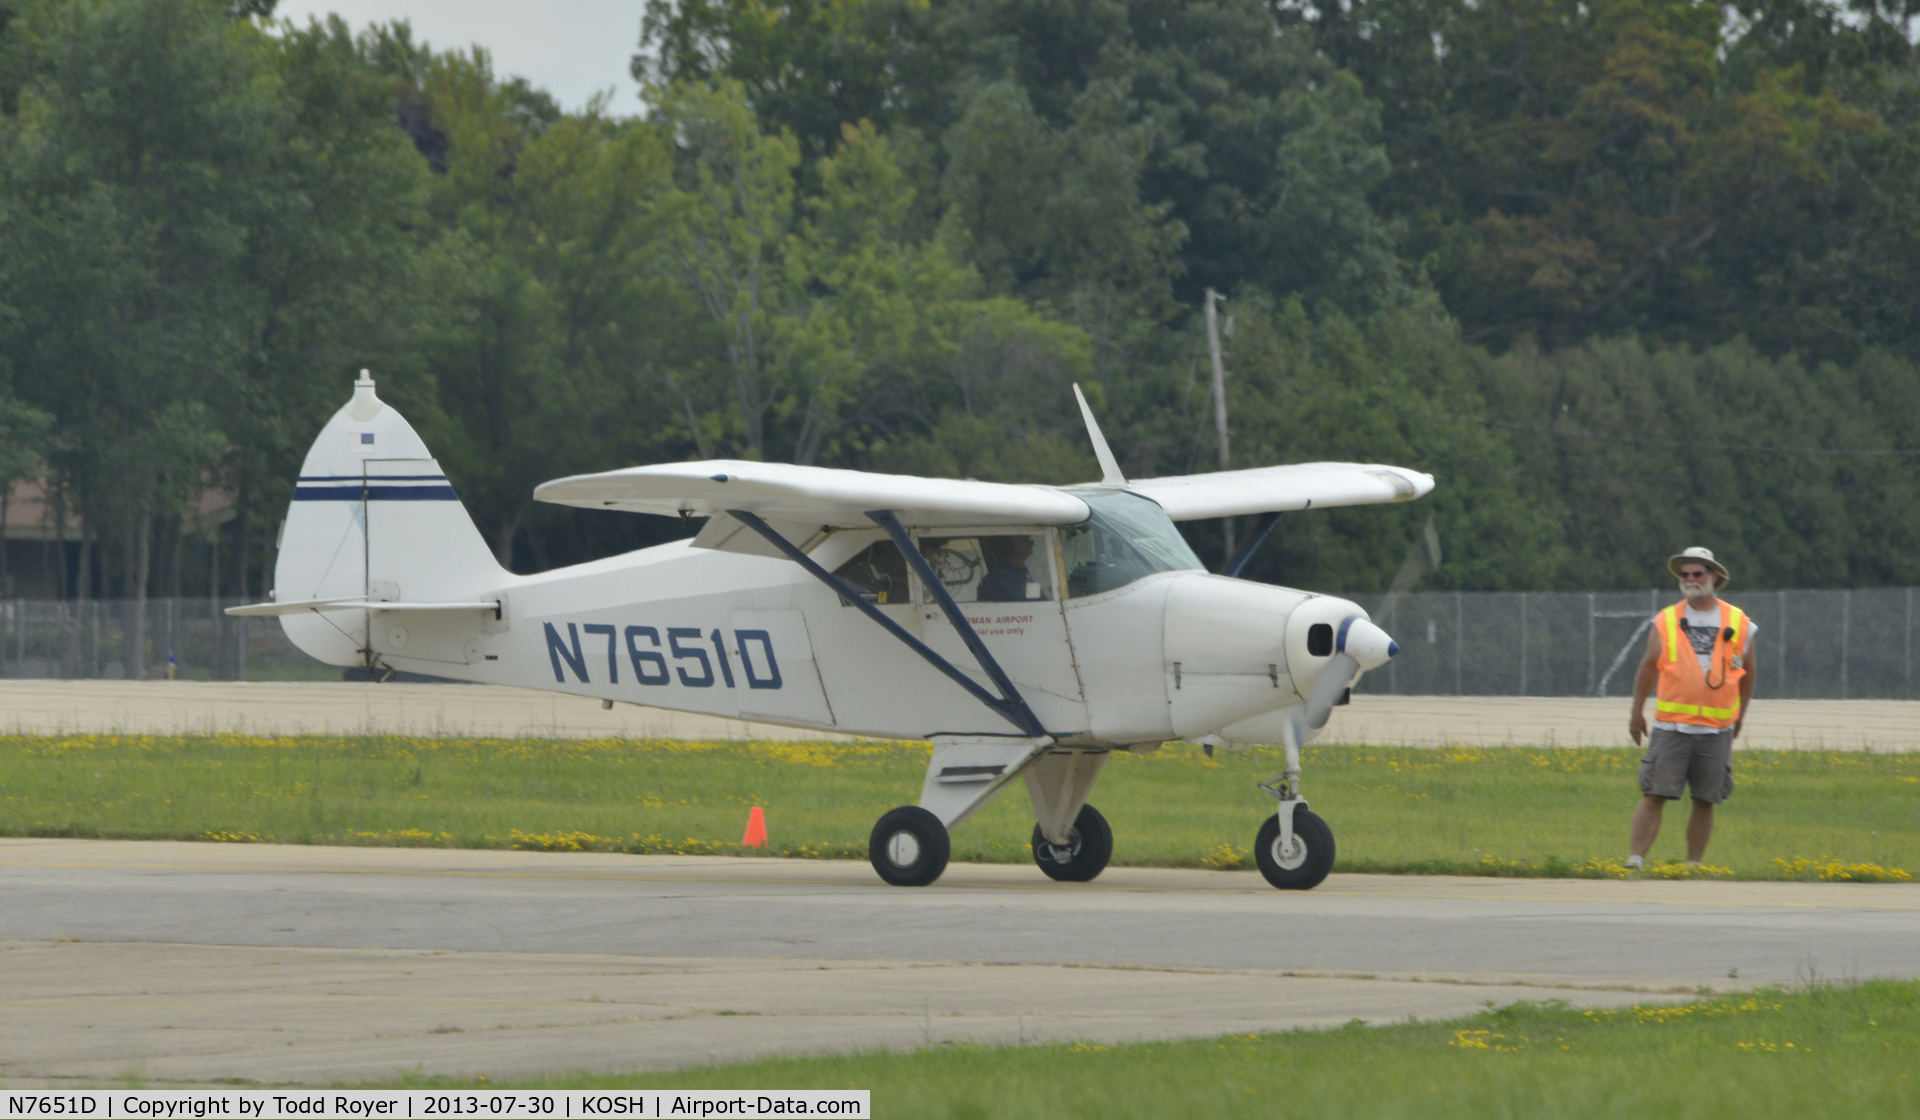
[[1279, 489], [821, 496]]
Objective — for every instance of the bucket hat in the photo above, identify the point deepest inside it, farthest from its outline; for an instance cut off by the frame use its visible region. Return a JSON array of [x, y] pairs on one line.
[[1701, 556]]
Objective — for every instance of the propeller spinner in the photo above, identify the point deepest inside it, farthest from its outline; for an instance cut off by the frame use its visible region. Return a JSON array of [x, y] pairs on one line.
[[1358, 645]]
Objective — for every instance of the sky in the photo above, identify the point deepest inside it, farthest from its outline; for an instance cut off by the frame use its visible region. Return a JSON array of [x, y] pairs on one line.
[[570, 48]]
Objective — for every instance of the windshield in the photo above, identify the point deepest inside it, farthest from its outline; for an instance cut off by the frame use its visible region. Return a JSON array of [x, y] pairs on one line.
[[1126, 538]]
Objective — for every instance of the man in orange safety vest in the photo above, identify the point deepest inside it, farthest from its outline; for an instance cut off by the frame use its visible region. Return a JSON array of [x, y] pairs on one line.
[[1700, 655]]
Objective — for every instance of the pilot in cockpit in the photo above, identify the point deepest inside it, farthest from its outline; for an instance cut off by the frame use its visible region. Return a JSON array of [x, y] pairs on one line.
[[1007, 578]]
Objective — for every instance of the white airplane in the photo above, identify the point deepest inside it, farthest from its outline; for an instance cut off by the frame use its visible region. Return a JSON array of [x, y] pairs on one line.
[[1027, 631]]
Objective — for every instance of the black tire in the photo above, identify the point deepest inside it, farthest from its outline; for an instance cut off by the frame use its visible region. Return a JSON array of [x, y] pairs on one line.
[[1089, 847], [909, 847], [1306, 866]]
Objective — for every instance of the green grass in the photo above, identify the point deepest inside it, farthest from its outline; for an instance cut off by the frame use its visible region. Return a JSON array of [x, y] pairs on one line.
[[1816, 1051], [1508, 811]]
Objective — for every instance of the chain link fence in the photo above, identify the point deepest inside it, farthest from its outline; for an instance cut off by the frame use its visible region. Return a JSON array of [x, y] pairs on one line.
[[1811, 645], [114, 639]]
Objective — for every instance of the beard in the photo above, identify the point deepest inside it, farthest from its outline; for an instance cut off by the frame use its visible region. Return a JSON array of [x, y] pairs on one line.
[[1696, 591]]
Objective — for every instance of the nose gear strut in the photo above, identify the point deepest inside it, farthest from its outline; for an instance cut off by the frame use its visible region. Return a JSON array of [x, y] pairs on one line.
[[1294, 848]]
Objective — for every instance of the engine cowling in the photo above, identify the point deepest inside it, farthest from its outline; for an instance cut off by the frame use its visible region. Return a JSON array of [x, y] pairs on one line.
[[1238, 652]]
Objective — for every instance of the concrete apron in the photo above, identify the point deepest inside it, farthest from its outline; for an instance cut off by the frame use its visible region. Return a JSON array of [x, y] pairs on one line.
[[340, 708]]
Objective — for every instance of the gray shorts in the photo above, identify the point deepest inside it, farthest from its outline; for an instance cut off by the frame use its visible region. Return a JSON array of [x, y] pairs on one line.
[[1674, 758]]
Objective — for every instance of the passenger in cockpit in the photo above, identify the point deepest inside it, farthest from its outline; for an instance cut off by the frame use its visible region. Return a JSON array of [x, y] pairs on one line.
[[1006, 579]]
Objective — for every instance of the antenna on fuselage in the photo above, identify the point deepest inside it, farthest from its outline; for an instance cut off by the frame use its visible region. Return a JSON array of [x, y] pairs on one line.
[[1109, 466]]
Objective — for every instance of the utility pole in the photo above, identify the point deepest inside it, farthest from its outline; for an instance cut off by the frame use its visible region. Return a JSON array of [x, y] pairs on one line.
[[1219, 401]]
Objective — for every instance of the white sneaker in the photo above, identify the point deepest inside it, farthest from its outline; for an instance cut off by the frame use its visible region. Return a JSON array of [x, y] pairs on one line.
[[1693, 865], [1635, 862]]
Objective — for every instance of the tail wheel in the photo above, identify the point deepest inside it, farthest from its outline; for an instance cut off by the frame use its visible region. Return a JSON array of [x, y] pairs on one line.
[[909, 847], [1302, 865], [1085, 854]]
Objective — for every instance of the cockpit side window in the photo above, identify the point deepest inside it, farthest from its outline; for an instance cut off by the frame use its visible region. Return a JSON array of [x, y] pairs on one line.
[[990, 567], [1127, 537], [879, 572]]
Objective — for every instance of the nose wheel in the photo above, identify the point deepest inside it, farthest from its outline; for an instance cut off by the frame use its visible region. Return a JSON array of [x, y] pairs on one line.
[[1302, 860], [909, 847], [1085, 854]]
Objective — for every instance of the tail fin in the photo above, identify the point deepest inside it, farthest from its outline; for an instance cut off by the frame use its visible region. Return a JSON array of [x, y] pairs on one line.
[[1109, 466], [373, 515]]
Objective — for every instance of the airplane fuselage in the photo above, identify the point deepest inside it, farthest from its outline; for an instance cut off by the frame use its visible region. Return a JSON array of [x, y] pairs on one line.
[[1170, 655]]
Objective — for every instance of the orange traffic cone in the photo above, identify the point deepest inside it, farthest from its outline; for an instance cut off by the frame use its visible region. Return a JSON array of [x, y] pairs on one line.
[[756, 836]]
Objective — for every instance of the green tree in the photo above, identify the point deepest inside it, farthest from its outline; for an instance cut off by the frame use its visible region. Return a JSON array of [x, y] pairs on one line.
[[901, 351], [25, 442], [1255, 146], [806, 67], [870, 303], [1054, 216], [1215, 116], [995, 404], [1800, 476], [729, 218], [336, 267], [202, 222], [1567, 169], [549, 230], [137, 174], [1826, 265], [1396, 387]]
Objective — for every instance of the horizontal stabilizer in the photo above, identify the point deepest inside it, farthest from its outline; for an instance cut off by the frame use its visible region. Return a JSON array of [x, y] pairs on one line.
[[259, 610], [1281, 489]]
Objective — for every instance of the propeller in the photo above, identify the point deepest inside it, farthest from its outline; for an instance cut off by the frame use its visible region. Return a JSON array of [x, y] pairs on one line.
[[1359, 644], [1412, 568], [1334, 679]]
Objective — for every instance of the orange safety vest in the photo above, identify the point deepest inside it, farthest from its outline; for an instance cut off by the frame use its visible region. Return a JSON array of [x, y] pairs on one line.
[[1686, 695]]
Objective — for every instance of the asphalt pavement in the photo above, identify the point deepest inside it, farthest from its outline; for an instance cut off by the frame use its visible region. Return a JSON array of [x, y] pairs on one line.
[[185, 963]]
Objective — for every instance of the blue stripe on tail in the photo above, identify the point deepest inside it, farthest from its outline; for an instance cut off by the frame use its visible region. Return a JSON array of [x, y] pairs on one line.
[[432, 492]]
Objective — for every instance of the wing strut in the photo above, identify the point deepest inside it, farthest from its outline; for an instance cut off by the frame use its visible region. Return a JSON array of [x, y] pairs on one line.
[[1254, 541], [1010, 705]]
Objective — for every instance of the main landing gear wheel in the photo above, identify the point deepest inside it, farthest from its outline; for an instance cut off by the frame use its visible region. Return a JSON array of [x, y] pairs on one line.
[[1089, 846], [909, 847], [1302, 866]]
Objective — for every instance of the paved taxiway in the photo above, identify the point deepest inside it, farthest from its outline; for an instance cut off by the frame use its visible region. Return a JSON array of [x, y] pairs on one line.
[[190, 962]]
